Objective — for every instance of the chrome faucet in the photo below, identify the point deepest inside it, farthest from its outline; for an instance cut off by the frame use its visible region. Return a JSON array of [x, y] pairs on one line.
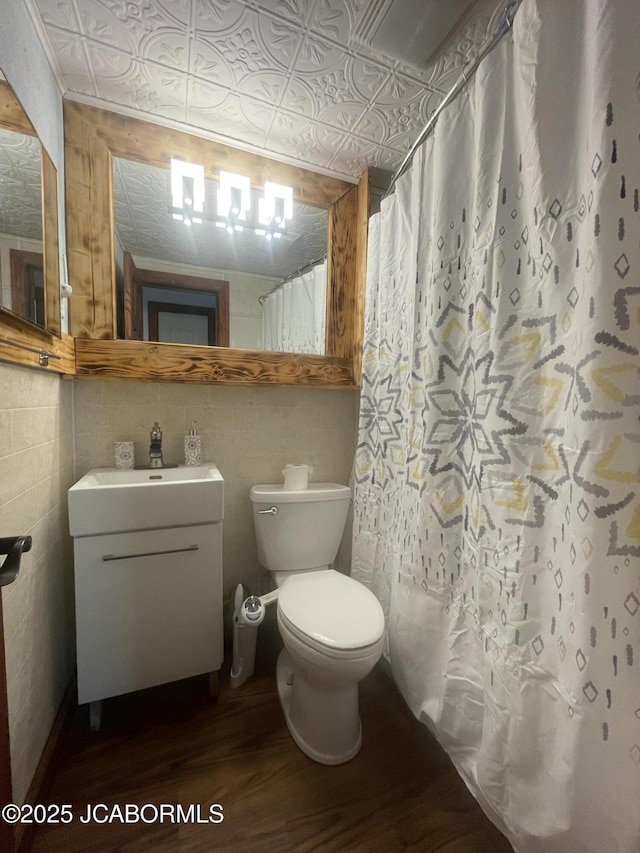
[[155, 447]]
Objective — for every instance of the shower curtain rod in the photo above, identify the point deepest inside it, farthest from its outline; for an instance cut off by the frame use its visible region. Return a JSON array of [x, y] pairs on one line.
[[508, 14], [299, 271]]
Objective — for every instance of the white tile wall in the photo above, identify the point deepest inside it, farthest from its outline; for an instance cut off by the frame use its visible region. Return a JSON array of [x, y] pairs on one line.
[[36, 469], [250, 433]]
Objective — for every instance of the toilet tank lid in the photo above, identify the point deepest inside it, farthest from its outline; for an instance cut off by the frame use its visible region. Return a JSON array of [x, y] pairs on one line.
[[315, 492]]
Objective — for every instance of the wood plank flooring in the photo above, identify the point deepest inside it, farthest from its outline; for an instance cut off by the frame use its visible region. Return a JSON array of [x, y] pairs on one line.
[[174, 745]]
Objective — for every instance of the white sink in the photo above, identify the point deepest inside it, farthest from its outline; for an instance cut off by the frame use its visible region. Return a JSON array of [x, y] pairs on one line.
[[112, 500]]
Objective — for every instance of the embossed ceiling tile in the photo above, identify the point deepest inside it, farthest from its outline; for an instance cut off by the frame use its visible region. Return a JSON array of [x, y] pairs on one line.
[[347, 163], [173, 12], [170, 85], [270, 87], [404, 122], [107, 62], [317, 56], [398, 89], [347, 82], [296, 137], [367, 77], [100, 24], [332, 87], [374, 126], [124, 23], [259, 114], [217, 16], [209, 63], [402, 142], [229, 120], [294, 11], [279, 41], [72, 61], [331, 139], [60, 13], [354, 162], [333, 19], [343, 116], [148, 88], [287, 125], [168, 48], [203, 95], [299, 98]]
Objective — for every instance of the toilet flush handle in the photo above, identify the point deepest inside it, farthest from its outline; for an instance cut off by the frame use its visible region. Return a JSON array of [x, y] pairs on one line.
[[271, 511]]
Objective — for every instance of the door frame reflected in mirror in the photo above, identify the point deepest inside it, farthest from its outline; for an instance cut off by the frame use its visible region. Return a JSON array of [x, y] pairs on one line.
[[135, 282], [92, 137]]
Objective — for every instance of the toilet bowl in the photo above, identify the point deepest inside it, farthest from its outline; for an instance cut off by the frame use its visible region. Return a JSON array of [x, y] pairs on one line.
[[331, 625], [332, 629]]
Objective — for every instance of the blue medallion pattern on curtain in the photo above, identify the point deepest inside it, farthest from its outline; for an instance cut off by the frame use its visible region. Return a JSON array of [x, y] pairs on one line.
[[497, 475]]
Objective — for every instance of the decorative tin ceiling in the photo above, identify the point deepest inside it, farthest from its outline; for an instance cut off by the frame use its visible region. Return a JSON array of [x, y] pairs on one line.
[[293, 79]]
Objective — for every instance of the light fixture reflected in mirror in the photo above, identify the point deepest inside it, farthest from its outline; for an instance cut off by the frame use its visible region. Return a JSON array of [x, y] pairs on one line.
[[275, 209], [187, 191], [233, 201]]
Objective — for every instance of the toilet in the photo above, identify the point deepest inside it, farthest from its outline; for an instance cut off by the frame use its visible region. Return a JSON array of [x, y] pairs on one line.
[[332, 626]]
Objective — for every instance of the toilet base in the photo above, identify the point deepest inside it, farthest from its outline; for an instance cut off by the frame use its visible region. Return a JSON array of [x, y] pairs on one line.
[[323, 721]]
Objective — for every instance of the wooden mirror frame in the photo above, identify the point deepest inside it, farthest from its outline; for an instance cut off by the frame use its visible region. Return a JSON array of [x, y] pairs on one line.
[[22, 342], [92, 137]]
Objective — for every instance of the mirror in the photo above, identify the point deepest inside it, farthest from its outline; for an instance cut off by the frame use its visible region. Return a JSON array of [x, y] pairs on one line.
[[93, 139], [28, 222], [201, 257], [21, 262]]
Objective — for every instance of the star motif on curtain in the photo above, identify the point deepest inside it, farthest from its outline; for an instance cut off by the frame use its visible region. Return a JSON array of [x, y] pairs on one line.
[[470, 421], [381, 416]]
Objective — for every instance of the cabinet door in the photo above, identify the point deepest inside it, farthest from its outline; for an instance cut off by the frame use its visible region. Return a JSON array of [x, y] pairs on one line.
[[148, 608]]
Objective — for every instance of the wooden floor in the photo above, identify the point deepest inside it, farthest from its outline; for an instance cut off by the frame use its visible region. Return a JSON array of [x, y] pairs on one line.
[[174, 745]]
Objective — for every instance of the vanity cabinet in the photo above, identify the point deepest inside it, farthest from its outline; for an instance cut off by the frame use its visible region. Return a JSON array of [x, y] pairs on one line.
[[148, 608]]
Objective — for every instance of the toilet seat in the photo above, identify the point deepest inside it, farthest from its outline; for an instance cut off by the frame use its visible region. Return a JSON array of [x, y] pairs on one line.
[[331, 612]]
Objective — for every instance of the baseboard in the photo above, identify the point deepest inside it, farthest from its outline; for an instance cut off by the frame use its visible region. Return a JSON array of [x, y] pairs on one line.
[[41, 781]]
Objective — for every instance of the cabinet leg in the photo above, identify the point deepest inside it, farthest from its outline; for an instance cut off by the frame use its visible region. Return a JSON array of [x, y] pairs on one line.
[[95, 715], [214, 686]]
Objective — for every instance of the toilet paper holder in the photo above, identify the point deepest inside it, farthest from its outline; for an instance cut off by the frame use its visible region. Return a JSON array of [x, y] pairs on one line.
[[13, 547]]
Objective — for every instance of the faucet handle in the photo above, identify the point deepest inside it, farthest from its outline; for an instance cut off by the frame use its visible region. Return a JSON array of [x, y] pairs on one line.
[[156, 432]]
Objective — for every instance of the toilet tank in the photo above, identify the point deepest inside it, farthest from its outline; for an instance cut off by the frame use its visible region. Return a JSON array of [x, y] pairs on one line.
[[306, 528]]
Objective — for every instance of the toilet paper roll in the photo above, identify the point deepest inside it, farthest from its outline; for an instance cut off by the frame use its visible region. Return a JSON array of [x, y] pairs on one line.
[[296, 477]]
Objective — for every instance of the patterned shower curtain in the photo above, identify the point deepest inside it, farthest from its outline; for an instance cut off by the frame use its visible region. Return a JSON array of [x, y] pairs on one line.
[[497, 474], [293, 318]]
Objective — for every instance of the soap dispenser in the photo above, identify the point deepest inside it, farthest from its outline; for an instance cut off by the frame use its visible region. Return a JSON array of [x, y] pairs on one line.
[[193, 447]]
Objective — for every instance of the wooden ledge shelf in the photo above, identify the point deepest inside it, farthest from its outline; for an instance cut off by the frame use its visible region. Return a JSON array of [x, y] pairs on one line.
[[21, 343], [158, 362]]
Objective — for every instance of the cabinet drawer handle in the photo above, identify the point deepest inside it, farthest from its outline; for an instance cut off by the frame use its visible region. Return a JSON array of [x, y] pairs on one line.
[[109, 557]]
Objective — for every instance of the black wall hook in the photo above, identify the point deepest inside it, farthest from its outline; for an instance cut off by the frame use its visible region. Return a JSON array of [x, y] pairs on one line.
[[14, 547]]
